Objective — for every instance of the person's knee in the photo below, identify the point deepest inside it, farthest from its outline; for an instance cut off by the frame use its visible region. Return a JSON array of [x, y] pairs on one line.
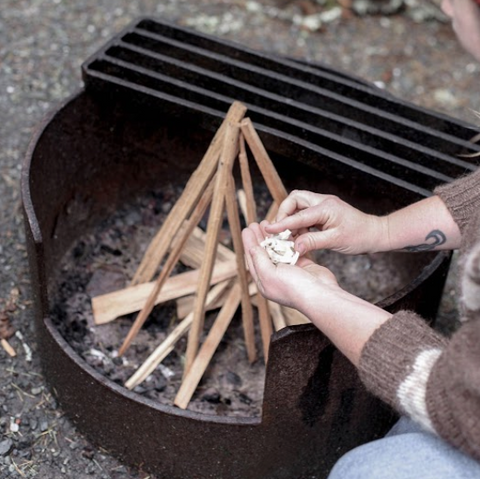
[[405, 456], [357, 464]]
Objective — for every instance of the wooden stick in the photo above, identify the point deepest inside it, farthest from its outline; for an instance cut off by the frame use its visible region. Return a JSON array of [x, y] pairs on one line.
[[294, 317], [236, 231], [164, 349], [172, 260], [110, 306], [185, 303], [278, 318], [262, 303], [208, 348], [250, 210], [242, 203], [278, 192], [265, 323], [8, 348], [272, 212], [190, 196], [229, 152], [274, 183], [193, 251]]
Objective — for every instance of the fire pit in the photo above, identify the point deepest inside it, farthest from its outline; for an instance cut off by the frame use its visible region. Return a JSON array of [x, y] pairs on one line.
[[152, 98]]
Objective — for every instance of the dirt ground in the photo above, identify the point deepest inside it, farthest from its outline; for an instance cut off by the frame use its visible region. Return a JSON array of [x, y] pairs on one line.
[[43, 43]]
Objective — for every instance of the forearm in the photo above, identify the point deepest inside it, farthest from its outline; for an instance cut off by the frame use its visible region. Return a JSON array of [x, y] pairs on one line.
[[345, 319], [424, 226]]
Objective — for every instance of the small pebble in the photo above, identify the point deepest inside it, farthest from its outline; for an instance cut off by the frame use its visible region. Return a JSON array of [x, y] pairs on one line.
[[6, 447]]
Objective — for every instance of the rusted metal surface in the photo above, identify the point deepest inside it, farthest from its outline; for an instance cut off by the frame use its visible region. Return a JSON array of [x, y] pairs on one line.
[[99, 150]]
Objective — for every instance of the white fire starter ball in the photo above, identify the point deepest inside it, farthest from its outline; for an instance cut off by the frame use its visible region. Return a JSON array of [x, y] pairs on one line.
[[280, 249]]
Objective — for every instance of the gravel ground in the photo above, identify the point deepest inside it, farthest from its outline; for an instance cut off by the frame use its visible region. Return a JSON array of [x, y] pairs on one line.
[[43, 43]]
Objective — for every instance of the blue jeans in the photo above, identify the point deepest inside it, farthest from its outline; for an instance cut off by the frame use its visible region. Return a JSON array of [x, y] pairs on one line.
[[406, 452]]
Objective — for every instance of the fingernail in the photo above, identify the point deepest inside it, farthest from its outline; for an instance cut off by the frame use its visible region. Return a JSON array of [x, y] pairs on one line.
[[301, 249]]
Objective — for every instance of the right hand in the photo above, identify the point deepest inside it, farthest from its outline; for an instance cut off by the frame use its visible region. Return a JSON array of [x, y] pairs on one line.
[[326, 222]]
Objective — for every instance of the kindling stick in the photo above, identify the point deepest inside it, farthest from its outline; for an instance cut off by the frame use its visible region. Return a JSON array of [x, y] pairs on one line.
[[236, 231], [110, 306], [185, 303], [227, 157], [190, 196], [192, 253], [217, 331], [265, 323], [272, 179], [269, 173], [164, 349], [242, 203], [8, 348], [272, 212], [279, 193], [294, 317], [278, 318], [172, 260], [250, 207]]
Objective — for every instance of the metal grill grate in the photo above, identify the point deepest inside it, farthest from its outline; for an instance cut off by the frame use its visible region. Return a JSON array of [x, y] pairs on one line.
[[330, 114]]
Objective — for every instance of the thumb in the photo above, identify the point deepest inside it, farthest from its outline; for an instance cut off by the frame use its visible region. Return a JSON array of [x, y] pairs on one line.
[[313, 240]]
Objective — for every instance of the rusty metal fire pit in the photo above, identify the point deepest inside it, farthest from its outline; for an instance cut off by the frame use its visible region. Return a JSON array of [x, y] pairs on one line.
[[152, 98]]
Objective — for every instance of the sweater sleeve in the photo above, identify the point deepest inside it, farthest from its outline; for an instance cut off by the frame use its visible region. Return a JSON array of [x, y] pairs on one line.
[[422, 375], [396, 363], [462, 198]]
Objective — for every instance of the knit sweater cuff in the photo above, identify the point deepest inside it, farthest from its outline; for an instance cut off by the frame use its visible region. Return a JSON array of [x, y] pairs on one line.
[[396, 361], [462, 198]]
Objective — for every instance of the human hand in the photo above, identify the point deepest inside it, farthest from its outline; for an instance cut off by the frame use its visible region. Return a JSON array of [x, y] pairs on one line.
[[291, 286], [326, 222], [347, 320]]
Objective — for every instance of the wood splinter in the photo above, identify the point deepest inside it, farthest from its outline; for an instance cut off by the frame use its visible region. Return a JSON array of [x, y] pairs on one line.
[[8, 348]]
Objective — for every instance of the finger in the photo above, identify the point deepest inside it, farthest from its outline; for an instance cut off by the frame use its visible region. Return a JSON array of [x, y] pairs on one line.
[[258, 231], [296, 200], [263, 228], [264, 268], [302, 219], [249, 237], [304, 262], [314, 240]]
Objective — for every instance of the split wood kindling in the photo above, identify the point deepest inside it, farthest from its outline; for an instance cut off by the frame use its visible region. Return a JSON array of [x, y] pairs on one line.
[[220, 278], [8, 348]]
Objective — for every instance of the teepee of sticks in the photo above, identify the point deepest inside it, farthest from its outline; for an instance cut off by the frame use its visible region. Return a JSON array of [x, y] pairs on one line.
[[220, 278]]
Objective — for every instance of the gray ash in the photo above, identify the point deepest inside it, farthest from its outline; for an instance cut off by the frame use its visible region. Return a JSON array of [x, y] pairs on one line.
[[105, 260]]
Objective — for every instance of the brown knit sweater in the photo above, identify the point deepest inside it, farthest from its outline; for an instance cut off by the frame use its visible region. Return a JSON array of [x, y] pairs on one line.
[[434, 380]]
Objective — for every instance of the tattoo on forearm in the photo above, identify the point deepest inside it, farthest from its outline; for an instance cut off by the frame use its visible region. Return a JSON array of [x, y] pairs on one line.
[[433, 239]]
